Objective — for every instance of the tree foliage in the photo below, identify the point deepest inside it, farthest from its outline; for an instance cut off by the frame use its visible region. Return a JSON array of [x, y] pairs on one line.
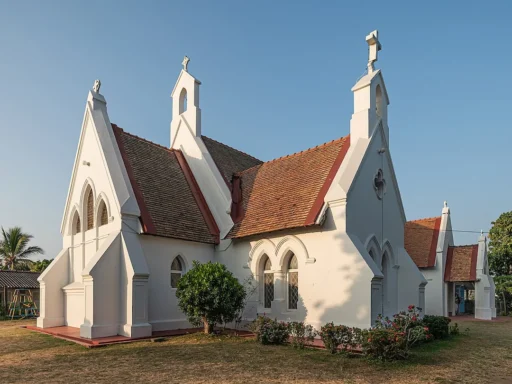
[[14, 249], [210, 294], [40, 265], [500, 245]]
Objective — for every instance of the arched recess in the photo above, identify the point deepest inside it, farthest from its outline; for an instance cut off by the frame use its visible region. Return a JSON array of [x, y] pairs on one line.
[[378, 101], [261, 248], [183, 101], [292, 244], [88, 194], [177, 269], [389, 269], [373, 248], [102, 214], [74, 221]]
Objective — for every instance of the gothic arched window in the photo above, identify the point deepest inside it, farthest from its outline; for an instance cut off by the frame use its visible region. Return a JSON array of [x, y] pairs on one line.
[[183, 101], [90, 209], [77, 225], [176, 271], [378, 100], [268, 283], [293, 282], [102, 213]]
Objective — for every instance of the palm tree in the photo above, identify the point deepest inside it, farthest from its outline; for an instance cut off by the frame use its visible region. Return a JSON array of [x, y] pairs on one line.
[[14, 249]]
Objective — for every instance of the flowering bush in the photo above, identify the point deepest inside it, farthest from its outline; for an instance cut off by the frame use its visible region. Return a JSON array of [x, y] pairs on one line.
[[334, 336], [270, 331], [301, 334], [438, 326]]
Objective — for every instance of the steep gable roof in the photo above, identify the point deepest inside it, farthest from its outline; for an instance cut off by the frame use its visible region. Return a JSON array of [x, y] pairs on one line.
[[19, 279], [169, 198], [421, 240], [287, 192], [229, 160], [461, 263]]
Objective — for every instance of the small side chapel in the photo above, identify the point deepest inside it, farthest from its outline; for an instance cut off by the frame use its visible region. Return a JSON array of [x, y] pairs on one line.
[[321, 232]]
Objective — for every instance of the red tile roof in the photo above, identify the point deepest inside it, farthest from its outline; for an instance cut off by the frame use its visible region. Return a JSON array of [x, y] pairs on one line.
[[421, 240], [287, 192], [167, 193], [461, 263], [229, 160]]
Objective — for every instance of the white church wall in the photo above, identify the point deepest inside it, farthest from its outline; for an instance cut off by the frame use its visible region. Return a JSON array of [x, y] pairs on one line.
[[160, 252], [334, 280]]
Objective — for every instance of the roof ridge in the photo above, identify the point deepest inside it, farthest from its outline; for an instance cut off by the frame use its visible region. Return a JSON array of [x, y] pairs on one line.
[[143, 139], [344, 138], [424, 219], [234, 149], [461, 246]]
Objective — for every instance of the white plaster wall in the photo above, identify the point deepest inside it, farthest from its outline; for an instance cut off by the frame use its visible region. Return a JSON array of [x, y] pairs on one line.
[[383, 219], [334, 279], [160, 252]]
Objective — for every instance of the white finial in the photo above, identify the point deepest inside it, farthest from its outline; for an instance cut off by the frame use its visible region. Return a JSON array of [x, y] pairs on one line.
[[445, 204], [185, 63], [481, 232], [374, 47], [97, 85]]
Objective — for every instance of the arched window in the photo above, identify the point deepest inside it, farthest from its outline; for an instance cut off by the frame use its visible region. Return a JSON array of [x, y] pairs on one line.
[[90, 209], [385, 284], [378, 100], [102, 213], [293, 282], [183, 101], [268, 281], [77, 225], [176, 271]]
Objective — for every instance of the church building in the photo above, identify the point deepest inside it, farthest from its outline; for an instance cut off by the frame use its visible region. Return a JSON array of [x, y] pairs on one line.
[[321, 232], [451, 270]]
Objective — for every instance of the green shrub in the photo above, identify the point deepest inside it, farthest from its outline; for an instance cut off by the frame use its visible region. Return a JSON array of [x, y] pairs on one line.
[[438, 326], [270, 331], [301, 334], [210, 294], [334, 336], [454, 329]]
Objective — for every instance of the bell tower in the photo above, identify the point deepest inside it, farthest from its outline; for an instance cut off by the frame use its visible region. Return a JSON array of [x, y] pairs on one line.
[[185, 103], [370, 96]]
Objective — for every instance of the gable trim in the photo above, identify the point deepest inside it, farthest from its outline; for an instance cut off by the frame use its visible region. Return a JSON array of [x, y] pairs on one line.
[[433, 245], [147, 222], [198, 196], [319, 202]]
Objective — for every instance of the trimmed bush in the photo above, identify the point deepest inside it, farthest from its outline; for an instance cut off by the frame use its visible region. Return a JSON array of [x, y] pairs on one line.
[[439, 326], [301, 334], [270, 331], [334, 336]]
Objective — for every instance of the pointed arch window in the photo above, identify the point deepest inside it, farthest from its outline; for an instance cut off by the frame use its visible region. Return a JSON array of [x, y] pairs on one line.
[[77, 225], [90, 209], [103, 213], [293, 282], [183, 101], [176, 271], [268, 283]]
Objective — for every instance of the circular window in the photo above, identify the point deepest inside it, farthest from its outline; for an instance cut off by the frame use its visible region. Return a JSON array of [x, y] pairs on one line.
[[379, 184]]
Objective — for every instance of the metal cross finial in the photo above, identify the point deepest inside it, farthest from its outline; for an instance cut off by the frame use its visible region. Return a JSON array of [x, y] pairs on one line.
[[185, 63], [97, 85], [445, 204], [374, 47]]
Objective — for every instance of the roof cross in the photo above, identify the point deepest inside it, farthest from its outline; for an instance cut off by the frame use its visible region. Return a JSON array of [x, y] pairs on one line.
[[374, 47], [185, 63]]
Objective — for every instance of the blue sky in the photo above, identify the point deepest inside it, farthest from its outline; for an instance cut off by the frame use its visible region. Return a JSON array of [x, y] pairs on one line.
[[276, 79]]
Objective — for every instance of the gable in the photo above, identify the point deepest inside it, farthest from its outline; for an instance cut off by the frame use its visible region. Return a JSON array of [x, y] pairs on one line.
[[170, 201], [287, 192], [229, 160], [461, 263], [421, 240]]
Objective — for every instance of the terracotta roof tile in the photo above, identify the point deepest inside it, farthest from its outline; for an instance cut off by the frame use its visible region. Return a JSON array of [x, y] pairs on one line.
[[461, 263], [287, 192], [421, 240], [170, 201], [229, 160], [19, 279]]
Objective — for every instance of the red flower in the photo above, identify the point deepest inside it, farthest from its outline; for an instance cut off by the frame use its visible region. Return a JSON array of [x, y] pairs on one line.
[[425, 328], [369, 340], [414, 318]]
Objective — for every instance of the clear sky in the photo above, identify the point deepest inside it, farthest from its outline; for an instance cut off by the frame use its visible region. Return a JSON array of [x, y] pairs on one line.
[[276, 79]]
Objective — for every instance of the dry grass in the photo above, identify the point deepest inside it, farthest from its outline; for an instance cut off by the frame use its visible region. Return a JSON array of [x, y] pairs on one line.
[[485, 356]]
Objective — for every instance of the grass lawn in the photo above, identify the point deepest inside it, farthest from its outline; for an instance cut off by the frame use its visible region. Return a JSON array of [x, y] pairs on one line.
[[485, 356]]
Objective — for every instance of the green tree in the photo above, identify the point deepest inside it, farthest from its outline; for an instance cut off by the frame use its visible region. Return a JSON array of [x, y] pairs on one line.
[[14, 249], [40, 265], [500, 245], [504, 290], [210, 294]]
